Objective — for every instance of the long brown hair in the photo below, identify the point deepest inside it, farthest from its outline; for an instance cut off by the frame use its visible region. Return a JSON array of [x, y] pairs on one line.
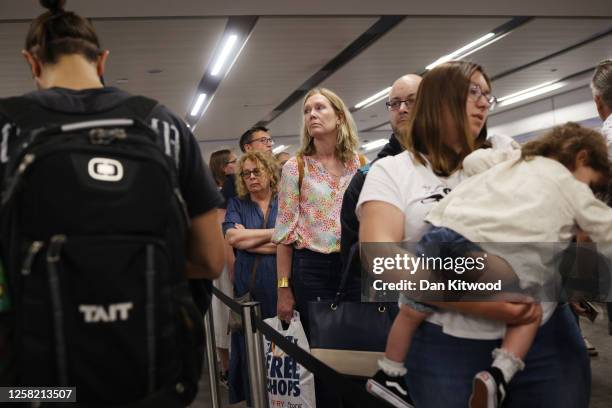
[[58, 32], [218, 161], [444, 88]]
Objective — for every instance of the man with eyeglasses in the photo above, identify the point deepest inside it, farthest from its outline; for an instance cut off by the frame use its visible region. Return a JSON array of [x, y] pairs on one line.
[[401, 100], [256, 138]]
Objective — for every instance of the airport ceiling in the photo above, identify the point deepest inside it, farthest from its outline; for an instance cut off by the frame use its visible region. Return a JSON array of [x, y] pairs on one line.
[[163, 49]]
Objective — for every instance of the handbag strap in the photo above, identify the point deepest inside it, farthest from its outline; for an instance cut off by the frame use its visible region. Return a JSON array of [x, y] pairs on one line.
[[258, 256], [345, 274]]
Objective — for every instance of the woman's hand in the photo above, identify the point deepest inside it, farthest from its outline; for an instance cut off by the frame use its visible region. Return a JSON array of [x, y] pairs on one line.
[[285, 304]]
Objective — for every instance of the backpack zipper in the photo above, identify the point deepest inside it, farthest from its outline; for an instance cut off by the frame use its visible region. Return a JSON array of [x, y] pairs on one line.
[[25, 162], [29, 260], [53, 258]]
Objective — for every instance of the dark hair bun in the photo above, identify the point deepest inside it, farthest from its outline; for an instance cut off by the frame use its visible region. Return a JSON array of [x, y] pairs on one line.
[[53, 5]]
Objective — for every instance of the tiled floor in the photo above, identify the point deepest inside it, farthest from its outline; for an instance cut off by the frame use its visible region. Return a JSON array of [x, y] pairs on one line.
[[601, 367]]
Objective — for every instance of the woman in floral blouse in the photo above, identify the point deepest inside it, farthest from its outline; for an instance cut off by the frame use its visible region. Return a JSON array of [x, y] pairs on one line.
[[307, 227], [308, 223]]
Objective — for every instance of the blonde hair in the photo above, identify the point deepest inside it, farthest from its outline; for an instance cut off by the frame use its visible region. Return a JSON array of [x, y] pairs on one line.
[[443, 88], [264, 162], [347, 140]]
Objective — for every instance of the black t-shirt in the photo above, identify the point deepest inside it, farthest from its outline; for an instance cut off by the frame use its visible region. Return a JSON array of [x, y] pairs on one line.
[[195, 181]]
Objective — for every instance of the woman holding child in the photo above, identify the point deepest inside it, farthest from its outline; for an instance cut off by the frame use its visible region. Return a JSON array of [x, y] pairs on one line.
[[456, 340]]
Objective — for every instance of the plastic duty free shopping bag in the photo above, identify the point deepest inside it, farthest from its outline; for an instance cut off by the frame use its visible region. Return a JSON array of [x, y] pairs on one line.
[[289, 383]]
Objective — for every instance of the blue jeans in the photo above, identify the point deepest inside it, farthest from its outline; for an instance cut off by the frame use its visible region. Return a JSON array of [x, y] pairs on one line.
[[315, 276], [557, 368]]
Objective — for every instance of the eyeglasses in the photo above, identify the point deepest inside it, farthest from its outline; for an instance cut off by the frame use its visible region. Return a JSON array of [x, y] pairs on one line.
[[247, 173], [396, 104], [263, 140], [475, 93], [231, 161]]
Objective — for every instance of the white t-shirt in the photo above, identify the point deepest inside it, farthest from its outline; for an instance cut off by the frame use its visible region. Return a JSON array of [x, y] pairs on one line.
[[406, 184], [415, 189]]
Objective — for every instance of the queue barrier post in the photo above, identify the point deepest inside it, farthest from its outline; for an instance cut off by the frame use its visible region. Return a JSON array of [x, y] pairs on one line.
[[211, 359], [251, 311]]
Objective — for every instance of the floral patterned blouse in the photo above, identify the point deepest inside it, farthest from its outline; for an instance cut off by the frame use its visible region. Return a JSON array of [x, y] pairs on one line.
[[310, 218]]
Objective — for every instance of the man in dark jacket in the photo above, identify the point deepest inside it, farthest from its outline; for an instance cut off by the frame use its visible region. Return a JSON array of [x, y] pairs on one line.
[[401, 100]]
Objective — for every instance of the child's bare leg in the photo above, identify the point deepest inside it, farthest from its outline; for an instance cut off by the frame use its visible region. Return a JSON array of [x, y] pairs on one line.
[[399, 339], [517, 342]]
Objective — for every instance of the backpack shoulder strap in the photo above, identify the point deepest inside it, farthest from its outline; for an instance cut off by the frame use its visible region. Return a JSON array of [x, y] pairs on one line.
[[141, 107], [28, 114], [22, 111]]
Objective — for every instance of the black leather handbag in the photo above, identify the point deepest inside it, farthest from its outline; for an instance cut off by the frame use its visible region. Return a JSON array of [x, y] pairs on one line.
[[350, 336]]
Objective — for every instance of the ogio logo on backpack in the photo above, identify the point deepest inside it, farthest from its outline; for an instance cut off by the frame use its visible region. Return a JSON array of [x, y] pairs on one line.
[[99, 313], [103, 169]]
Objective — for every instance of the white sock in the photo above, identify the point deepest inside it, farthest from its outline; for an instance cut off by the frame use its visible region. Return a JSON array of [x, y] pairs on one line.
[[508, 363], [392, 368]]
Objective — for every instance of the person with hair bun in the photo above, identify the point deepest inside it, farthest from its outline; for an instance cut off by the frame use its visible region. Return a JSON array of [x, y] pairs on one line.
[[116, 366]]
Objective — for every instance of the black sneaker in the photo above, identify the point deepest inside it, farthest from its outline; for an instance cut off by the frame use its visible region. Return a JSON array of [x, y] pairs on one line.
[[489, 389], [391, 389]]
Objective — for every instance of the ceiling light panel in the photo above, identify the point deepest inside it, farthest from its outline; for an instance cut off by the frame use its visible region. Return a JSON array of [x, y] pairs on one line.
[[232, 42]]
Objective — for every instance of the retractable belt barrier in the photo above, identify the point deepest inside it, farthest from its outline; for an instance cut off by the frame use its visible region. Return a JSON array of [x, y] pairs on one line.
[[353, 394]]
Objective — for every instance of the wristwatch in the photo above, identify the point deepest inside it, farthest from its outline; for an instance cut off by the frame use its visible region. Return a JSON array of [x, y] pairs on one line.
[[282, 283]]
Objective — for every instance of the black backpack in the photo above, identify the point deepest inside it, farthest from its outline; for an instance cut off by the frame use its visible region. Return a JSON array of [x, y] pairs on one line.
[[94, 237]]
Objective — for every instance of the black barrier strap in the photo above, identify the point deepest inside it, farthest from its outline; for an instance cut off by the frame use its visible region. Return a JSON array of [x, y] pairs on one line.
[[354, 394], [229, 302]]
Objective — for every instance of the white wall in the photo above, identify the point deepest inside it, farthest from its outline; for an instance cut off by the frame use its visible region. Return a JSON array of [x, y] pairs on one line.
[[531, 120], [522, 123]]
